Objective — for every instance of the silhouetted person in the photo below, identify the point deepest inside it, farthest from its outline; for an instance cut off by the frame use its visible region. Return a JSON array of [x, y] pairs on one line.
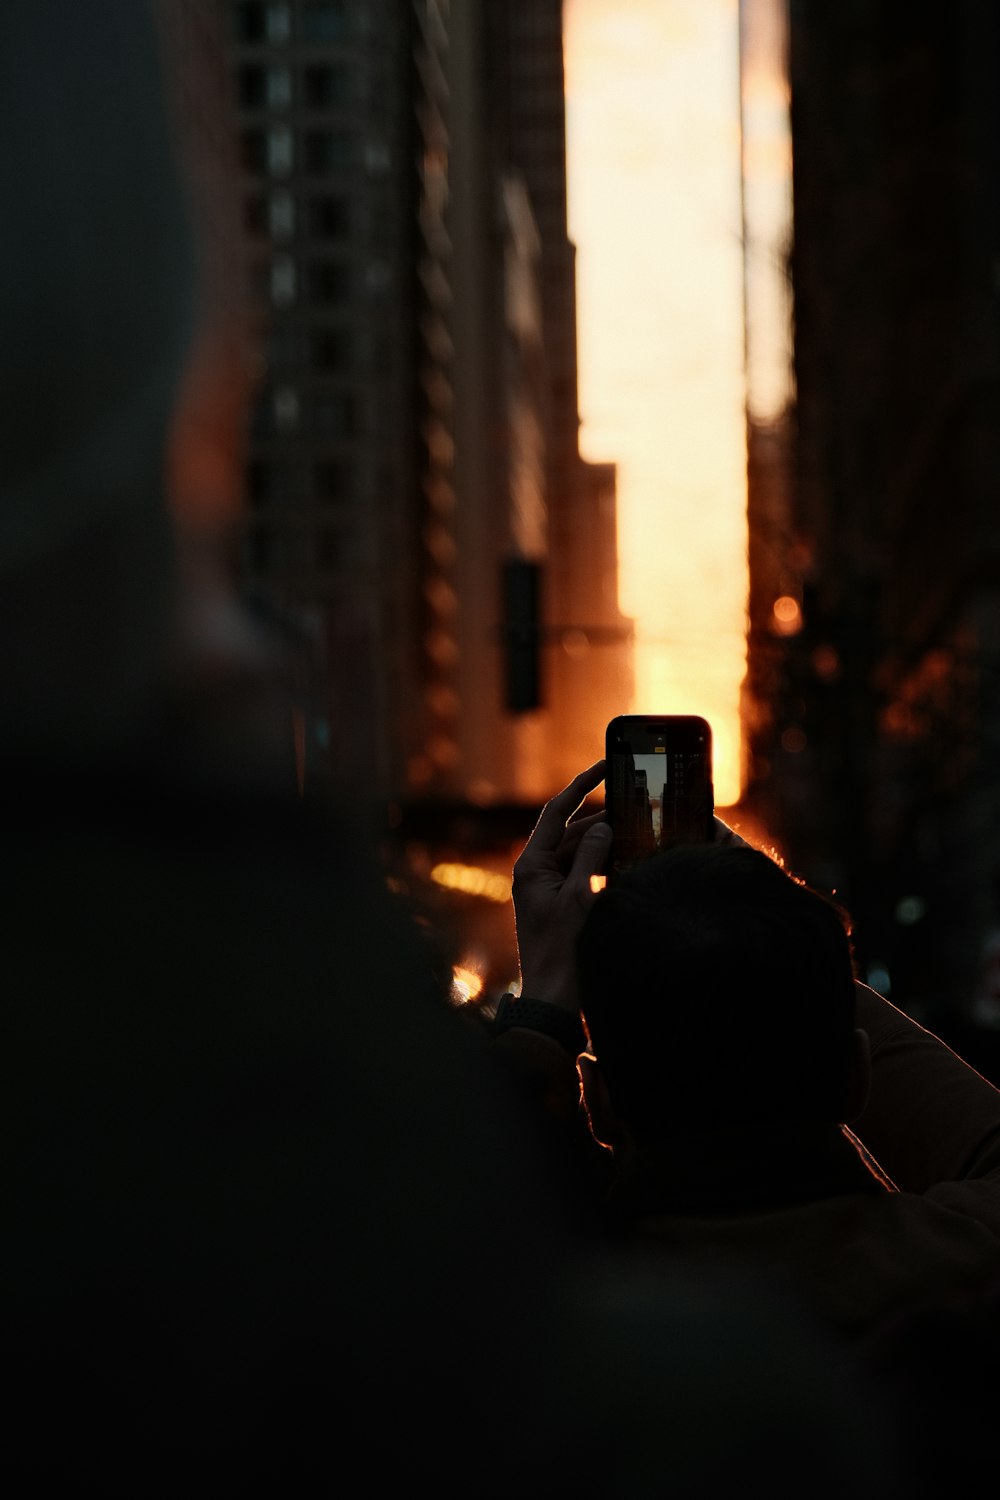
[[263, 1192], [733, 1045], [729, 1048]]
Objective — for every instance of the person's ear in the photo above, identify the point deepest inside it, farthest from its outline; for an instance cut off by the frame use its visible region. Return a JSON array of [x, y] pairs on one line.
[[605, 1126], [859, 1075]]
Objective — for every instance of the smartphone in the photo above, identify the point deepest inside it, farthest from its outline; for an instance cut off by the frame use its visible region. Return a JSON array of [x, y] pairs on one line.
[[658, 785]]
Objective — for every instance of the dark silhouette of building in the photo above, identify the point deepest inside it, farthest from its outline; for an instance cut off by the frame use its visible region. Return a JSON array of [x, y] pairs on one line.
[[873, 699]]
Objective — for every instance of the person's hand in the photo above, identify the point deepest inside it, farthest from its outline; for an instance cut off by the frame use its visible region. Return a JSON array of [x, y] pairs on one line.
[[552, 890]]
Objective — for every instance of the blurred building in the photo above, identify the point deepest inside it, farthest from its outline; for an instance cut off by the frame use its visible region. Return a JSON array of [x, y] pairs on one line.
[[873, 692], [587, 662], [420, 519]]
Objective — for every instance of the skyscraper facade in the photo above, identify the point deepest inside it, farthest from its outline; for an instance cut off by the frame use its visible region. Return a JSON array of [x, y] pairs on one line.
[[329, 187], [419, 514], [874, 749]]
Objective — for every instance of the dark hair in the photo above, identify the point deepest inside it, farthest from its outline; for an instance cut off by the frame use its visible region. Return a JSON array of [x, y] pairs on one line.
[[718, 989]]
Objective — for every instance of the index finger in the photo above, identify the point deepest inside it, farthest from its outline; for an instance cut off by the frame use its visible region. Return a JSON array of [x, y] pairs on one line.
[[551, 825]]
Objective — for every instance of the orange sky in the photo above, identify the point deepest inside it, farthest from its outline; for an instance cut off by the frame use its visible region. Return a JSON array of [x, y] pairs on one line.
[[654, 207]]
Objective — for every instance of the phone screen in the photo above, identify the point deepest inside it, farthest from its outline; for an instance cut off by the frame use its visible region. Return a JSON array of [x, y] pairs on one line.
[[658, 784]]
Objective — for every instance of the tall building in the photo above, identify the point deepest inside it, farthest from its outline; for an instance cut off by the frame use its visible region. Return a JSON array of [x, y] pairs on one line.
[[420, 518], [329, 189], [874, 754]]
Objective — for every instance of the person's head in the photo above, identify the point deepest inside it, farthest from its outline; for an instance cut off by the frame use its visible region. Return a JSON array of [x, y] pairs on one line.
[[718, 990], [105, 300]]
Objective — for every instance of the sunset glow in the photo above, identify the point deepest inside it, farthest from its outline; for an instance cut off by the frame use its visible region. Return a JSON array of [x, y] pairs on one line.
[[466, 984], [473, 881], [654, 204]]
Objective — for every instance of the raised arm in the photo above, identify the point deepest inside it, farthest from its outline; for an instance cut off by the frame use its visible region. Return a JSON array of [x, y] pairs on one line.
[[540, 1032], [553, 892]]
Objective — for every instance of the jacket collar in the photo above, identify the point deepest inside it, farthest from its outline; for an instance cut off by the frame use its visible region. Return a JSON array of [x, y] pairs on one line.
[[745, 1168]]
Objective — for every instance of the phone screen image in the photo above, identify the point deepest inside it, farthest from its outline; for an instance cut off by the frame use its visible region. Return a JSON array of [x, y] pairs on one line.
[[658, 785]]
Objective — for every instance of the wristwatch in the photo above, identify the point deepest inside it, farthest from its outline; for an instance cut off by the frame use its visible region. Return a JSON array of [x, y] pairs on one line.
[[564, 1026]]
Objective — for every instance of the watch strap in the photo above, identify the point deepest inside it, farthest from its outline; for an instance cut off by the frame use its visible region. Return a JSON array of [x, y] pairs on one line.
[[564, 1026]]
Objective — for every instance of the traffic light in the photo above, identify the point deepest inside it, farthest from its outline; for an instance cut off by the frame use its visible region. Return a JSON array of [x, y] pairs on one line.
[[522, 635]]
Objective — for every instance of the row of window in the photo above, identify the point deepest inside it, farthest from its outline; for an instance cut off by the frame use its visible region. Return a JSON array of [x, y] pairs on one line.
[[278, 151], [279, 215], [283, 283], [328, 415], [317, 22], [323, 283], [277, 87]]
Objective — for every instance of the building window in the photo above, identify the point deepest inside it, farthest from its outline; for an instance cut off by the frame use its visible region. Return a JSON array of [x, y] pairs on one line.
[[258, 86], [270, 214], [285, 408], [282, 286], [270, 151], [330, 216], [377, 276], [279, 88], [258, 21], [324, 21], [329, 282], [325, 85], [281, 215], [327, 151], [250, 21], [251, 89], [280, 150], [332, 349], [377, 158], [279, 21]]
